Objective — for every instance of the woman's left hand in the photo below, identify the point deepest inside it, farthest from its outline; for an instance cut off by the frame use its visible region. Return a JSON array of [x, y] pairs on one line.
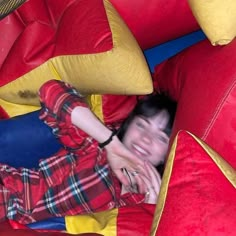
[[153, 184], [119, 158]]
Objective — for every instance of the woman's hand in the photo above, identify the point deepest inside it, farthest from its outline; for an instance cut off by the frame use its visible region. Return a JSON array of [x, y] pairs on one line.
[[119, 157], [153, 184]]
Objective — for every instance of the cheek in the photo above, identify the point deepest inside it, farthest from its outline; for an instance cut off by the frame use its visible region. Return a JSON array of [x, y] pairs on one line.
[[159, 152], [130, 133], [127, 137]]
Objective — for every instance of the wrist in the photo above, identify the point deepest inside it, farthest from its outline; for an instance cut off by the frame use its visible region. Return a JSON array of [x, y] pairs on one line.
[[109, 139]]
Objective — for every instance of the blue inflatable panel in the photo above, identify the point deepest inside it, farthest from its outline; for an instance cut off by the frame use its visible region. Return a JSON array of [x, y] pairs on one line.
[[56, 223], [158, 54], [25, 139]]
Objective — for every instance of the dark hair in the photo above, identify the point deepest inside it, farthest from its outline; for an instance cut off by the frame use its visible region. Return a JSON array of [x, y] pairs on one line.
[[149, 106]]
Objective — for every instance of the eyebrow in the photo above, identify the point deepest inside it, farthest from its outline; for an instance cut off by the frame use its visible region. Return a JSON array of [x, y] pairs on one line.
[[165, 130], [144, 118]]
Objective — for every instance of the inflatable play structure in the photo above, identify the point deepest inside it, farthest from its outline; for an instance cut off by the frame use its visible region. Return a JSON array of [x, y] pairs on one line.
[[112, 52]]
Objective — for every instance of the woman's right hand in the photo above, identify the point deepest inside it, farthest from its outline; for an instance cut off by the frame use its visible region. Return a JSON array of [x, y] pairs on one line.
[[118, 155]]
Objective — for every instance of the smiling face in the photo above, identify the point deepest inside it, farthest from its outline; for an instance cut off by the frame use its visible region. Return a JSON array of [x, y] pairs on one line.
[[145, 137]]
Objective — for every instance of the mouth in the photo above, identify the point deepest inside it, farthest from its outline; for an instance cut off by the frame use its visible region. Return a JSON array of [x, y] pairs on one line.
[[139, 151]]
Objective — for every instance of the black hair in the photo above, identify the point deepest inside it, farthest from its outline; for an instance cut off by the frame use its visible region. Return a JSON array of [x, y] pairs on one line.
[[150, 106]]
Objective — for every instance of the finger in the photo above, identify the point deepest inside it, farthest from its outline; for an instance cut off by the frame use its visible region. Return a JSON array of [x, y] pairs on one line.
[[137, 175], [122, 178], [151, 186], [130, 165], [153, 173], [151, 193], [140, 183], [140, 169], [144, 183], [132, 158]]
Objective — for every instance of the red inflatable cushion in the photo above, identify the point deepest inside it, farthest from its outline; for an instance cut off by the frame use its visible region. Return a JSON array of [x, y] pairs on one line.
[[85, 43], [198, 194], [123, 221], [202, 79], [155, 21], [112, 108]]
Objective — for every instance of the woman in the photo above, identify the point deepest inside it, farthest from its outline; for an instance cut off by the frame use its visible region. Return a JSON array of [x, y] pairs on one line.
[[95, 171]]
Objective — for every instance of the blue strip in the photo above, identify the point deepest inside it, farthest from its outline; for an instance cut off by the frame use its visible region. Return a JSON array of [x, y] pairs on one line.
[[158, 54], [25, 139], [56, 223]]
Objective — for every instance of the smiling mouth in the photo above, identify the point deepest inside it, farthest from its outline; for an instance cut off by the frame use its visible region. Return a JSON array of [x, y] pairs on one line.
[[140, 151]]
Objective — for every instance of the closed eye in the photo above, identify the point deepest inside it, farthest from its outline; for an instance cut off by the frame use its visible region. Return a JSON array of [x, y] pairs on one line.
[[142, 122], [161, 136], [163, 139]]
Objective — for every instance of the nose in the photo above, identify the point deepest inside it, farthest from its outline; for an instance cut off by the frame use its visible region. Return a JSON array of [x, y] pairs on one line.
[[146, 137]]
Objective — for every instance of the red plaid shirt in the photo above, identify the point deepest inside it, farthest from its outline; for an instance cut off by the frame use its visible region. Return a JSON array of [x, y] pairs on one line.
[[76, 180]]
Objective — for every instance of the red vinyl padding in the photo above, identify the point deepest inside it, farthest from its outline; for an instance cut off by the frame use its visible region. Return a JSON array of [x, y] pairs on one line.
[[200, 198], [156, 21], [202, 79], [36, 32]]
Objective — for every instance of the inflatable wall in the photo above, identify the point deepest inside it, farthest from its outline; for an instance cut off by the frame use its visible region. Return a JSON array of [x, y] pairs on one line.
[[113, 51]]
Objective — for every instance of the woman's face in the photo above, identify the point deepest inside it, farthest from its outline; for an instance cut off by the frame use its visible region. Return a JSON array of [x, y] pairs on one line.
[[146, 139]]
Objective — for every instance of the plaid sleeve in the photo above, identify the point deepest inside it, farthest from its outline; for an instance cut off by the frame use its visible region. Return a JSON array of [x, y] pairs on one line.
[[127, 199], [131, 199], [58, 99]]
